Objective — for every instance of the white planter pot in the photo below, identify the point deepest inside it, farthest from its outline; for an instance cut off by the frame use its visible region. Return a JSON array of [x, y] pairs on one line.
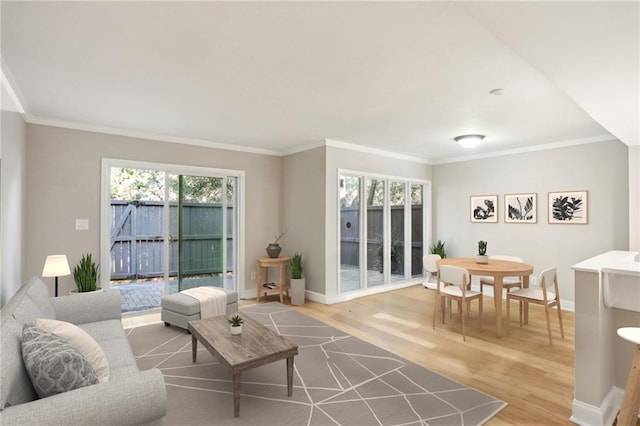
[[297, 291], [236, 330], [482, 259], [76, 292]]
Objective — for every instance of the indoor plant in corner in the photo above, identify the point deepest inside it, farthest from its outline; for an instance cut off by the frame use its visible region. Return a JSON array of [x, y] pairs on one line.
[[236, 324], [482, 252], [298, 283], [438, 249], [85, 274]]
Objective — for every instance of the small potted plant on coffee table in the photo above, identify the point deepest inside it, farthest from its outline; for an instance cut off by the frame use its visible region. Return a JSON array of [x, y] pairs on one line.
[[236, 324]]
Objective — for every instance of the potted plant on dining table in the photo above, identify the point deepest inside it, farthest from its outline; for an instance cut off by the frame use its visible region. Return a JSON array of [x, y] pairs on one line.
[[482, 252]]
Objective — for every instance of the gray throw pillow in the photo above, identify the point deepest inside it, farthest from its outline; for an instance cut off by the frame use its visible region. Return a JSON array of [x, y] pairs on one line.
[[53, 365]]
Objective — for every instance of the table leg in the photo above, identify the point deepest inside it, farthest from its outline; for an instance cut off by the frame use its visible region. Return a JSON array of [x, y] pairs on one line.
[[258, 280], [236, 393], [282, 283], [525, 284], [290, 376], [497, 296], [194, 347]]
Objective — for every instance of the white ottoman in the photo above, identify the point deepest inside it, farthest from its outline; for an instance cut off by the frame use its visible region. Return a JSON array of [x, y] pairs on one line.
[[178, 309]]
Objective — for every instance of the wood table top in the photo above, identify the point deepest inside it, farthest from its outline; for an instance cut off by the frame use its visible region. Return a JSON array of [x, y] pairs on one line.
[[494, 267], [257, 345], [265, 260]]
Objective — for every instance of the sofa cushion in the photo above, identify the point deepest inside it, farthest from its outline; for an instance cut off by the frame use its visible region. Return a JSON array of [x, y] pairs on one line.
[[80, 340], [33, 303], [54, 366]]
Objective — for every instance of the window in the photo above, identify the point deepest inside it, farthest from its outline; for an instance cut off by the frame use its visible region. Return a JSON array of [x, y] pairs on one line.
[[383, 243]]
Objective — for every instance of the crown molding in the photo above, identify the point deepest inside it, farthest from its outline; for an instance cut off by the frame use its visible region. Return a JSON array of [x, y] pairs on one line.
[[534, 148], [6, 79], [148, 136], [360, 148]]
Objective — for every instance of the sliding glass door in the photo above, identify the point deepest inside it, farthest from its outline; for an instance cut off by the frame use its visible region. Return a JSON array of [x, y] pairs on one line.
[[168, 231], [202, 232]]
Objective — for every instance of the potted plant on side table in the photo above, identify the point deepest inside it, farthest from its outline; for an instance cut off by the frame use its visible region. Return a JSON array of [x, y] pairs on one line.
[[85, 274], [298, 283], [482, 252]]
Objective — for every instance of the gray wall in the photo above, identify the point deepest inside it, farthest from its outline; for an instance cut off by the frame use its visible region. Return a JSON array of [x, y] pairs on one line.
[[600, 168], [63, 183], [12, 200], [338, 158], [303, 204]]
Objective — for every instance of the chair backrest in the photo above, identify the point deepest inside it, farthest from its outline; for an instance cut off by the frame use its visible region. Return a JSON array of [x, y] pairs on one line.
[[429, 262], [548, 279], [504, 257], [453, 275]]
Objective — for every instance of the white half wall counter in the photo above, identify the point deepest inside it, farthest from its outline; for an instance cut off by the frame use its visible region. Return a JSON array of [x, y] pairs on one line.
[[607, 297]]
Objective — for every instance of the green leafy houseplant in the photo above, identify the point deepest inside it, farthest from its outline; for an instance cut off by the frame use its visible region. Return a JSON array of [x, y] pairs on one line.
[[85, 274], [482, 248], [236, 321], [296, 266], [438, 249]]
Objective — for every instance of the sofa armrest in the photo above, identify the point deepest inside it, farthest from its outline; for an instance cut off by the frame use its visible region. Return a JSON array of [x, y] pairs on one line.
[[90, 307], [132, 400]]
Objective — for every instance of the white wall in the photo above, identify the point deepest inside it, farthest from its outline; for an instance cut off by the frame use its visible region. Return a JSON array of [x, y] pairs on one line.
[[599, 168], [12, 199], [338, 158], [64, 172]]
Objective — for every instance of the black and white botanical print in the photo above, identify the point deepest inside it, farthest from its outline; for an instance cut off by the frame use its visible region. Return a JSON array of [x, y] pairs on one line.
[[484, 208], [520, 208], [568, 207]]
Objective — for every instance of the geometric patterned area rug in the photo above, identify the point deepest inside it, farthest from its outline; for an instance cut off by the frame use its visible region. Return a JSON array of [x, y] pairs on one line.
[[338, 380]]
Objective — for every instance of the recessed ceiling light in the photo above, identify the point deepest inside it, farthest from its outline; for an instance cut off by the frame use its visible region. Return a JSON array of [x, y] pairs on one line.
[[496, 92], [469, 141]]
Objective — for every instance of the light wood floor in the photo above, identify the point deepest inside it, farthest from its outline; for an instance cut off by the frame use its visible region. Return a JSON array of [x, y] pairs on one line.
[[535, 379]]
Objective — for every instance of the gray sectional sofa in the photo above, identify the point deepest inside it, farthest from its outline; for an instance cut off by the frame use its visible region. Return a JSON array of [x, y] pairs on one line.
[[130, 396]]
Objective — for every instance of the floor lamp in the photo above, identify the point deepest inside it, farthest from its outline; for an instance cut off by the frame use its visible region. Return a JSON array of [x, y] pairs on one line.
[[56, 266]]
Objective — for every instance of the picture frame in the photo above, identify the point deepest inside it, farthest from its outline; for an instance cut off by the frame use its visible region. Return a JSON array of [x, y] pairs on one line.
[[484, 208], [521, 208], [568, 207]]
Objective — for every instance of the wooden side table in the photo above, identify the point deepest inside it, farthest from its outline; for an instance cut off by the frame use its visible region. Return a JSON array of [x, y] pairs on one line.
[[282, 263]]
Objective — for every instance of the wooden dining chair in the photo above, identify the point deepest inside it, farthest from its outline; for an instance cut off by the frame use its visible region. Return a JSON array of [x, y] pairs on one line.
[[541, 296], [452, 285], [507, 282]]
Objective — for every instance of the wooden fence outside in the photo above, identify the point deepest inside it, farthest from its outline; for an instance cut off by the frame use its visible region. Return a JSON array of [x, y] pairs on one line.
[[350, 239], [137, 239]]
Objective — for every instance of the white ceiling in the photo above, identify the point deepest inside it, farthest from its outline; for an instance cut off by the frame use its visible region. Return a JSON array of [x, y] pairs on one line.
[[275, 77]]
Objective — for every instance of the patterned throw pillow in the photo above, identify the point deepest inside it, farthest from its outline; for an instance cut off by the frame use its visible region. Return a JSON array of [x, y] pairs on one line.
[[53, 365], [79, 339]]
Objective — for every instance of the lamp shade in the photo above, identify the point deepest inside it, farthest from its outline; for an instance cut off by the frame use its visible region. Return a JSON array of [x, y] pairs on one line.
[[56, 265]]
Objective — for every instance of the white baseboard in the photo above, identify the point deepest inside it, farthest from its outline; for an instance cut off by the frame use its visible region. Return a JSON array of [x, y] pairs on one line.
[[589, 415]]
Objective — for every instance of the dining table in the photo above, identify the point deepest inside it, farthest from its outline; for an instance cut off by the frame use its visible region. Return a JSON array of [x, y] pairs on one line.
[[498, 269]]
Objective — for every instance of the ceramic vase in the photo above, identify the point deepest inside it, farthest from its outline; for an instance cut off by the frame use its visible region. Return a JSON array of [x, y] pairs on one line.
[[273, 250], [237, 329]]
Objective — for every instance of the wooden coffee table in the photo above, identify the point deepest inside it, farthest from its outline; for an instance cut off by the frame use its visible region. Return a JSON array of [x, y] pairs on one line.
[[256, 346]]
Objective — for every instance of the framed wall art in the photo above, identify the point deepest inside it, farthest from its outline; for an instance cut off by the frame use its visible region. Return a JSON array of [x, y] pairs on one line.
[[568, 207], [521, 208], [484, 208]]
